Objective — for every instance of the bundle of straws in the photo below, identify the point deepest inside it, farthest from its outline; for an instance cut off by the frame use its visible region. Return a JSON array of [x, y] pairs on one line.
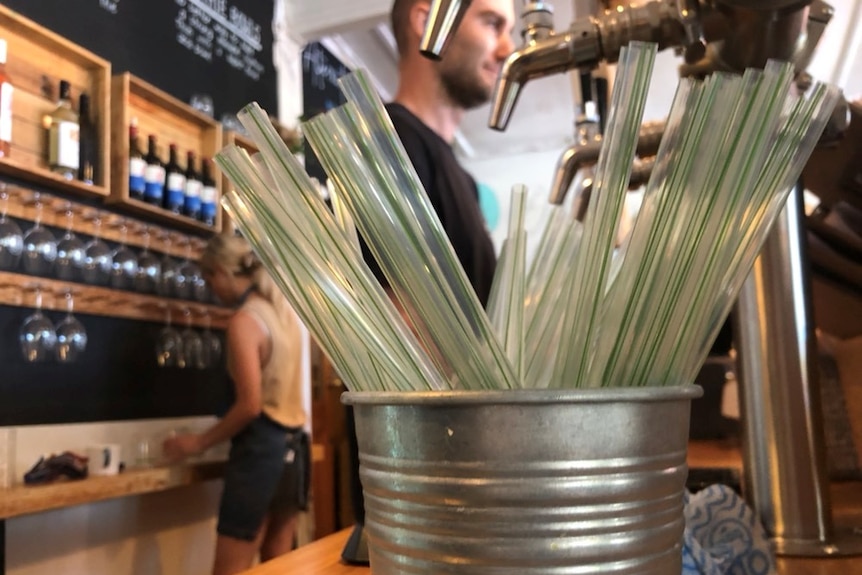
[[586, 313]]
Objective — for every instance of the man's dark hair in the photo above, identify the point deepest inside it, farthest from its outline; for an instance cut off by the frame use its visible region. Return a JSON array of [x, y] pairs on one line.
[[400, 20]]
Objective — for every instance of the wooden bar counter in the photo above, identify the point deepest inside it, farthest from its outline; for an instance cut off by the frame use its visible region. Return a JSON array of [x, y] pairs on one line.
[[23, 500], [323, 557]]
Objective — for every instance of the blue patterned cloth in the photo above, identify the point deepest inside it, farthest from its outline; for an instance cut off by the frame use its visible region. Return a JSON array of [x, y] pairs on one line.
[[723, 536]]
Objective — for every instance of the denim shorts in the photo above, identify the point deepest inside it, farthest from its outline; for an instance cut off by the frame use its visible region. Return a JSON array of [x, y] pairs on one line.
[[265, 473]]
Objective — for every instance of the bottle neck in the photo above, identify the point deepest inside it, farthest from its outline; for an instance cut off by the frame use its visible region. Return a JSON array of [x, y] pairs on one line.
[[65, 100], [190, 164]]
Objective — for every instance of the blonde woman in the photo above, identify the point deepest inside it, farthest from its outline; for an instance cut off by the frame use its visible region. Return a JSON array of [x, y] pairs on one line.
[[265, 483]]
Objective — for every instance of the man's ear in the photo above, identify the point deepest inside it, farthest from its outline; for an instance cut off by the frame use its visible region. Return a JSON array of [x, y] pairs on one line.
[[418, 17]]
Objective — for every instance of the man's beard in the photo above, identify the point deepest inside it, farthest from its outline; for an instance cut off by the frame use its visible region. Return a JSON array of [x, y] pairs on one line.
[[462, 83]]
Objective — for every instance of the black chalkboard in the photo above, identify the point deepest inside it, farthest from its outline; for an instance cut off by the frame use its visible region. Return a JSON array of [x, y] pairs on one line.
[[320, 92], [115, 379], [222, 48]]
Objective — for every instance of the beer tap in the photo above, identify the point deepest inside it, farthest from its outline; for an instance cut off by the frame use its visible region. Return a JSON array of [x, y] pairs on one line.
[[585, 152], [713, 35], [443, 20], [584, 45]]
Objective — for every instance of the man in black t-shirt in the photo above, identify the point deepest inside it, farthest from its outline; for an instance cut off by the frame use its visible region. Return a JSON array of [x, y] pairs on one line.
[[431, 100]]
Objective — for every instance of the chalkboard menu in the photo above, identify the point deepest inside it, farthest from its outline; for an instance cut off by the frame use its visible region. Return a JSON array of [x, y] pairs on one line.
[[320, 92], [221, 48]]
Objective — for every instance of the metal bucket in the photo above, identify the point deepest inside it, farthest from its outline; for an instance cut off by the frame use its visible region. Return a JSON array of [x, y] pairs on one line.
[[524, 482]]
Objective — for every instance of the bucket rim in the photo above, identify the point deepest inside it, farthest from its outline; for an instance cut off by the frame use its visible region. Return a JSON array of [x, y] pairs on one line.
[[525, 396]]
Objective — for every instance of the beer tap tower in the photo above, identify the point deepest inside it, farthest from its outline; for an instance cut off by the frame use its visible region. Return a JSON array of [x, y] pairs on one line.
[[784, 469]]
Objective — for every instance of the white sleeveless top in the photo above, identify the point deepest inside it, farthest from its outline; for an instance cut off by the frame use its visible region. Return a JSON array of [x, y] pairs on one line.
[[281, 377]]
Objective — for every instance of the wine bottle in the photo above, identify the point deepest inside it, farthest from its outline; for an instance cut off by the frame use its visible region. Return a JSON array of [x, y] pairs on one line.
[[137, 164], [6, 92], [175, 189], [88, 156], [192, 201], [209, 194], [64, 136], [154, 174]]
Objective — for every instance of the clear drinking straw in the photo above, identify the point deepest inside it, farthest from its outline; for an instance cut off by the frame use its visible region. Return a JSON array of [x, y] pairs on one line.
[[612, 175], [506, 301], [467, 343], [356, 301]]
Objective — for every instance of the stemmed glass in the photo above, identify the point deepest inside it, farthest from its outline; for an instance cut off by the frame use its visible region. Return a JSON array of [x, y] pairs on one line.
[[37, 336], [182, 283], [169, 344], [40, 245], [211, 343], [98, 260], [195, 285], [193, 346], [124, 262], [11, 236], [71, 333], [71, 251], [149, 272], [166, 286]]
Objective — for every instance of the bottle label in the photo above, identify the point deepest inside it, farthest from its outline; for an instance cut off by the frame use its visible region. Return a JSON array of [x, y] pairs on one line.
[[208, 195], [6, 91], [193, 198], [63, 145], [175, 189], [154, 182], [208, 203], [137, 167], [193, 189]]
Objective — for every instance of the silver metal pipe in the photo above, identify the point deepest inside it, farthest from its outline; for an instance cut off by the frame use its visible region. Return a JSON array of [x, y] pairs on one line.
[[783, 448]]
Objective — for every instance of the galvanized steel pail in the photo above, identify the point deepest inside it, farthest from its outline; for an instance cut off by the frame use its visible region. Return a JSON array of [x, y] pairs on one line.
[[524, 482]]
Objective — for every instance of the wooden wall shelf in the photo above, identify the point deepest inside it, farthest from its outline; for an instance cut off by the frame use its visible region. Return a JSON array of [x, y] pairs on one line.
[[161, 215], [172, 121], [23, 500], [37, 60], [49, 179], [19, 290], [163, 239]]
